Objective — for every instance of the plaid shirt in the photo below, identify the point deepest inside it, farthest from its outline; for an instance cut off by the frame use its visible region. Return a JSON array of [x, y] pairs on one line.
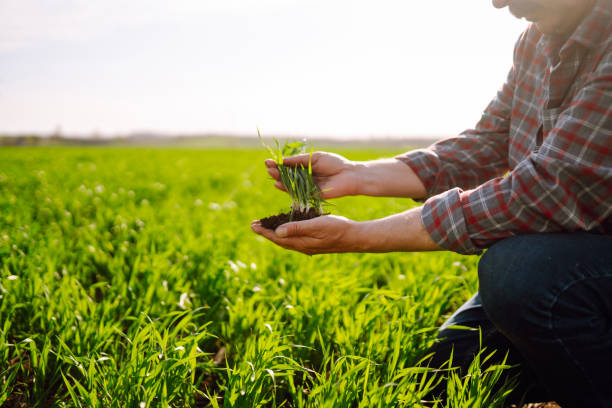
[[540, 158]]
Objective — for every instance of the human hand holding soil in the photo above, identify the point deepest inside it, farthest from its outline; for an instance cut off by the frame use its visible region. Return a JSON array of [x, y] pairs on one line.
[[335, 175], [330, 233], [324, 234]]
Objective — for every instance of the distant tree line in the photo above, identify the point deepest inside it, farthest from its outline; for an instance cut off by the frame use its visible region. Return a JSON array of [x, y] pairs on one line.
[[37, 140]]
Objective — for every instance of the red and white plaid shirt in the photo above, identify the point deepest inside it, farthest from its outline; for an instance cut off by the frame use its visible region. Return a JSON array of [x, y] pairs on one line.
[[540, 158]]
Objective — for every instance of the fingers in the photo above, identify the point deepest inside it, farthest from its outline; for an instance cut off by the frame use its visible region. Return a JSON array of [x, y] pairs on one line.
[[259, 229], [264, 232], [288, 230], [291, 161], [300, 228], [274, 173], [286, 243], [279, 185], [298, 159]]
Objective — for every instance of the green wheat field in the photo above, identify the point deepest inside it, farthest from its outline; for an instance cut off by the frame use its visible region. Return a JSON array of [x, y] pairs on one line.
[[129, 277]]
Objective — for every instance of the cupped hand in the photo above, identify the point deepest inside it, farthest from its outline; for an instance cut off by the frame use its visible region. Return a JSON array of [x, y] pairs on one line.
[[335, 175], [321, 235]]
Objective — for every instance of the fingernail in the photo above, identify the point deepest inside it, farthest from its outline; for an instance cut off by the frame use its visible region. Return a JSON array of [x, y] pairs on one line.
[[281, 232]]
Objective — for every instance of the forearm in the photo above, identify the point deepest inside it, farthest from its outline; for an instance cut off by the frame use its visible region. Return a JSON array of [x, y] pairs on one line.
[[399, 232], [388, 178]]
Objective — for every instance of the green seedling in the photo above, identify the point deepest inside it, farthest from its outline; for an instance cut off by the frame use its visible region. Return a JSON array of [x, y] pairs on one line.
[[298, 180]]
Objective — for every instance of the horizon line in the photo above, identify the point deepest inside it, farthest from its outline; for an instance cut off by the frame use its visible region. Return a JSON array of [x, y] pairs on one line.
[[234, 135]]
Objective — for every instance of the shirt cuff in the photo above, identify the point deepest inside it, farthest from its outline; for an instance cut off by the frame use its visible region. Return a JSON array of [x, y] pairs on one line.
[[425, 165], [445, 222]]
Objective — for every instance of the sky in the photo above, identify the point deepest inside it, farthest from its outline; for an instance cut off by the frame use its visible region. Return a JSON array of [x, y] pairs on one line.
[[340, 68]]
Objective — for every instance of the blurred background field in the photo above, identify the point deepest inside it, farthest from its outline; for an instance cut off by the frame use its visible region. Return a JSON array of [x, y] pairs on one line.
[[130, 277]]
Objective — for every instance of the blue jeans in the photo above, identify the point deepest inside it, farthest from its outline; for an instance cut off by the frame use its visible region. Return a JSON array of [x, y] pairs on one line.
[[546, 299]]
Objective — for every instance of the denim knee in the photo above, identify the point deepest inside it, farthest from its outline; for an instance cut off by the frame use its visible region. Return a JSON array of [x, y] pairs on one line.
[[516, 286], [550, 295], [522, 277]]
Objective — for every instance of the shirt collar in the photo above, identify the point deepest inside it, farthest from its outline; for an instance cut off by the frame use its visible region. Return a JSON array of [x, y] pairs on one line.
[[591, 31], [595, 27]]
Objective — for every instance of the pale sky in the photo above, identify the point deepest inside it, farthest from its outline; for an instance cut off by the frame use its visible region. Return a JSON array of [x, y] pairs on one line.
[[344, 68]]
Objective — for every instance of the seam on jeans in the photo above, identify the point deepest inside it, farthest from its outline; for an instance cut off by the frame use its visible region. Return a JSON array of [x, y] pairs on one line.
[[551, 324], [581, 277]]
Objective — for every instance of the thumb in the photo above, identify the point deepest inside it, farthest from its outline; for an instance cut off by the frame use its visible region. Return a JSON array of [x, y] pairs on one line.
[[290, 229]]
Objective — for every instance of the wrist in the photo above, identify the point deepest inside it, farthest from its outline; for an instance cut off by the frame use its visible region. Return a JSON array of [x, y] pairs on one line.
[[365, 182], [354, 171], [399, 232], [359, 236], [387, 177]]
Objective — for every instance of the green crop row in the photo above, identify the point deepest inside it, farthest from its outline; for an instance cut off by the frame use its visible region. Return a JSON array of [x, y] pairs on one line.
[[130, 278]]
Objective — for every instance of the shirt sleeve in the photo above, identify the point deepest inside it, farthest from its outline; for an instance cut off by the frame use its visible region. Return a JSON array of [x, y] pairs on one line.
[[473, 157], [565, 186]]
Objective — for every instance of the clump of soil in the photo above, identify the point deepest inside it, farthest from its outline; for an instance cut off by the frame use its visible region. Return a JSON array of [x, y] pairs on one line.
[[274, 221]]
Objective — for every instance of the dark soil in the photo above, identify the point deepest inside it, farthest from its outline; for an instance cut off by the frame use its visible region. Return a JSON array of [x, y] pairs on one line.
[[274, 221]]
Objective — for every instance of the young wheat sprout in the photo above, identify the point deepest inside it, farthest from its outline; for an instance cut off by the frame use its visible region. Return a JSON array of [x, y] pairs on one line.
[[298, 180]]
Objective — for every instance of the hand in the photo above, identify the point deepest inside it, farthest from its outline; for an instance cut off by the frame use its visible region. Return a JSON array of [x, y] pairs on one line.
[[321, 235], [329, 233], [334, 174]]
